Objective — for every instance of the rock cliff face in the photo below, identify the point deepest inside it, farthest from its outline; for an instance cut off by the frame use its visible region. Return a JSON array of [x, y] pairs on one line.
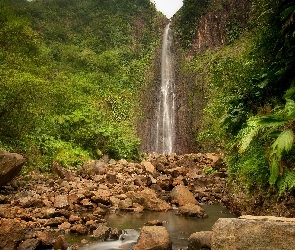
[[219, 26]]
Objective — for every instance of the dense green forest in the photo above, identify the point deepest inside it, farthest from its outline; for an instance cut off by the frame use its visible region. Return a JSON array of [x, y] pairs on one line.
[[250, 93], [71, 73]]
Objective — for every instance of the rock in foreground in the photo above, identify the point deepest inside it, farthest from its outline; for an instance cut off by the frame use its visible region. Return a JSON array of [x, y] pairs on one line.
[[153, 238], [254, 232]]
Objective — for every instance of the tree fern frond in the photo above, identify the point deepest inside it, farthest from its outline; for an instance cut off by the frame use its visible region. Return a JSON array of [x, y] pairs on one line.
[[247, 134], [274, 171], [286, 182], [290, 93], [271, 121], [290, 108], [282, 144]]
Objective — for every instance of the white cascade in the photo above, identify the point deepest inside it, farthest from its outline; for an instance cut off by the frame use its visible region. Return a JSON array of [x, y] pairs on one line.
[[165, 119]]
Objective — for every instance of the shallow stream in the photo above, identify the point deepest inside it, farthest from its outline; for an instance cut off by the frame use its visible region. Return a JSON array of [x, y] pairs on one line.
[[179, 227]]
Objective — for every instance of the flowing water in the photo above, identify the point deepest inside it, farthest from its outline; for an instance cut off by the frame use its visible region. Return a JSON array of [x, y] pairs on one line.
[[178, 227], [165, 124]]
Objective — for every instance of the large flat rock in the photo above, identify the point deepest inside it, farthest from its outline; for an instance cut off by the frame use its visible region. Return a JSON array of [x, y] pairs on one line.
[[254, 232]]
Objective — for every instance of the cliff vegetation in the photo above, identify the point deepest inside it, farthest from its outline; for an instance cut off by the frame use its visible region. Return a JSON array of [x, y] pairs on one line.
[[241, 57]]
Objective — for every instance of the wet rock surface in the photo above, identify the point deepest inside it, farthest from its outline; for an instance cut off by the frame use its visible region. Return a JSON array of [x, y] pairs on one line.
[[43, 206]]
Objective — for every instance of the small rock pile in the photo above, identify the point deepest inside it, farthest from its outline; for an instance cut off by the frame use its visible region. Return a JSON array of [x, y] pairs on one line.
[[37, 207]]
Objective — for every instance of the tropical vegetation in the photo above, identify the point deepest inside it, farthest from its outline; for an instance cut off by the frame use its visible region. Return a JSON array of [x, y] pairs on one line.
[[71, 73], [249, 98]]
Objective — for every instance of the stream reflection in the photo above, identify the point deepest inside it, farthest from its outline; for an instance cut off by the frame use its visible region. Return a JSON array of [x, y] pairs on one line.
[[179, 227]]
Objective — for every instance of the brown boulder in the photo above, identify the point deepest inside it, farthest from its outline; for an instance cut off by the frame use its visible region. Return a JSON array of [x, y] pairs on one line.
[[181, 195], [61, 201], [192, 210], [254, 232], [11, 233], [102, 232], [200, 240], [63, 173], [46, 238], [61, 243], [10, 166], [29, 244], [153, 238], [80, 229], [149, 200]]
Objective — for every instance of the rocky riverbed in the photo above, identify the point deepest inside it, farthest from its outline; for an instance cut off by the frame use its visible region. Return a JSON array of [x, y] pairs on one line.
[[38, 210]]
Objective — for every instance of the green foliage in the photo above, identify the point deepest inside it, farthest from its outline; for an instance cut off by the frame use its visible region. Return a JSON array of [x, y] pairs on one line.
[[250, 100], [272, 130], [287, 181], [187, 20], [249, 169], [71, 76], [210, 171]]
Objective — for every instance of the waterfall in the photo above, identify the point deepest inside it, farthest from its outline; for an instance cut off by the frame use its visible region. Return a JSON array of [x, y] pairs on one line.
[[165, 116]]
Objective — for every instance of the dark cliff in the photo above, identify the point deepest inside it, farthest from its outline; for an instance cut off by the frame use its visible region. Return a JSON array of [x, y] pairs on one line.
[[218, 26]]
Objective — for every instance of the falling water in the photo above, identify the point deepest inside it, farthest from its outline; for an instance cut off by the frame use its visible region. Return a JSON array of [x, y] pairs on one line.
[[165, 126]]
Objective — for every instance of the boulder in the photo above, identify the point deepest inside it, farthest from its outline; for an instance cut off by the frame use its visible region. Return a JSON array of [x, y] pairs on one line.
[[192, 210], [200, 240], [79, 229], [92, 167], [102, 232], [11, 233], [61, 243], [61, 201], [10, 166], [29, 244], [46, 238], [153, 238], [149, 200], [254, 232], [63, 173], [216, 160], [181, 195], [148, 166]]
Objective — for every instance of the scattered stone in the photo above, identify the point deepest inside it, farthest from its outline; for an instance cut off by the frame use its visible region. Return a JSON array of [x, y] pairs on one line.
[[54, 222], [64, 226], [149, 200], [216, 160], [115, 234], [125, 204], [43, 203]]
